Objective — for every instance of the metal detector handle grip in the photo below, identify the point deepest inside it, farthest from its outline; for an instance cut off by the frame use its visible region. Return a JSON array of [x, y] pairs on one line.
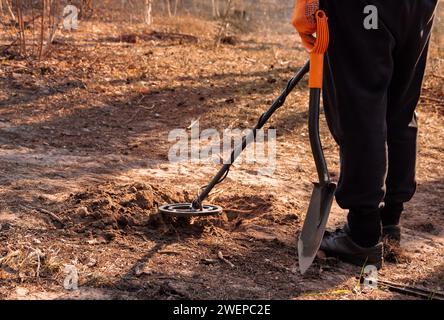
[[318, 51], [315, 84]]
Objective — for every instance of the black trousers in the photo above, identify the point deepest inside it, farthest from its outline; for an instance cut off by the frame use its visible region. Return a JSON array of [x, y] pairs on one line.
[[372, 85]]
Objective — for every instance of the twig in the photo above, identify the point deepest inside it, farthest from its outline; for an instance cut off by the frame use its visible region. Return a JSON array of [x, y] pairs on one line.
[[141, 99], [412, 291], [215, 193], [10, 11], [38, 254], [51, 214], [38, 265], [209, 261], [168, 252], [133, 117], [54, 217], [148, 108], [193, 124], [432, 99], [239, 210], [221, 257], [438, 76]]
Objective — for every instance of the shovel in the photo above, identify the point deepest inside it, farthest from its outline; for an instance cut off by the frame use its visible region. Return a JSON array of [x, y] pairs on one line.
[[324, 190]]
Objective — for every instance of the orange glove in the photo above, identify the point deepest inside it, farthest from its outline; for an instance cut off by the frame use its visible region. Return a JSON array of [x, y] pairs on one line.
[[304, 20]]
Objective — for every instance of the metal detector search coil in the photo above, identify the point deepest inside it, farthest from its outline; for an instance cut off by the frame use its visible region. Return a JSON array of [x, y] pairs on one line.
[[186, 210]]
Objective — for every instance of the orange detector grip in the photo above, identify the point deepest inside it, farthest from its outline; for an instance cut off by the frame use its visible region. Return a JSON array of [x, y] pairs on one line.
[[318, 51]]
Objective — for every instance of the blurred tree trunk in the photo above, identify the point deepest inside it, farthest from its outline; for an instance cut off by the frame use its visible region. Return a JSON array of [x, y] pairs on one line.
[[86, 9], [42, 29], [225, 24], [147, 17], [21, 25], [176, 4], [54, 20], [168, 5], [215, 5]]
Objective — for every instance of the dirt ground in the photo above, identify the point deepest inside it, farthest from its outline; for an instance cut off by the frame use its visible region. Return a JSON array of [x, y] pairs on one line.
[[83, 162]]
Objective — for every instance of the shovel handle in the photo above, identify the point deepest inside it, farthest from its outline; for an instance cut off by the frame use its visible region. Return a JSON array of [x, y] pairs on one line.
[[318, 51]]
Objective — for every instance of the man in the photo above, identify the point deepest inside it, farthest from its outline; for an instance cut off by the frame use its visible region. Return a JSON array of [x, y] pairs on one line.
[[373, 75]]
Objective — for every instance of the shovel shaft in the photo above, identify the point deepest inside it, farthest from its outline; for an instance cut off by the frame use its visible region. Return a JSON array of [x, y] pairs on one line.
[[279, 102], [315, 84], [315, 140]]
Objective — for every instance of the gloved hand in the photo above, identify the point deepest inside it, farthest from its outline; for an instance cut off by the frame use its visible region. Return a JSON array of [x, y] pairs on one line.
[[304, 20]]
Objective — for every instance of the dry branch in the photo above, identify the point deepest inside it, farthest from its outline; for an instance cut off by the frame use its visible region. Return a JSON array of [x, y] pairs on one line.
[[58, 221], [222, 258], [440, 101]]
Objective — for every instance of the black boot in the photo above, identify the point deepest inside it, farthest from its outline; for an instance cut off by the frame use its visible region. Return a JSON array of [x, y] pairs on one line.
[[390, 217], [365, 226], [339, 244]]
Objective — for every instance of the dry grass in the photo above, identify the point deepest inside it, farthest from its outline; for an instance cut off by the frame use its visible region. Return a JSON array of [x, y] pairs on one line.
[[26, 264], [187, 25]]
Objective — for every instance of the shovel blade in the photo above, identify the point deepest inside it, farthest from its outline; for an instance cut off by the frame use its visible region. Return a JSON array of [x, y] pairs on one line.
[[315, 224]]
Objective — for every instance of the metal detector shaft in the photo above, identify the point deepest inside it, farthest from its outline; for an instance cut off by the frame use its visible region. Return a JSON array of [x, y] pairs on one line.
[[246, 140]]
